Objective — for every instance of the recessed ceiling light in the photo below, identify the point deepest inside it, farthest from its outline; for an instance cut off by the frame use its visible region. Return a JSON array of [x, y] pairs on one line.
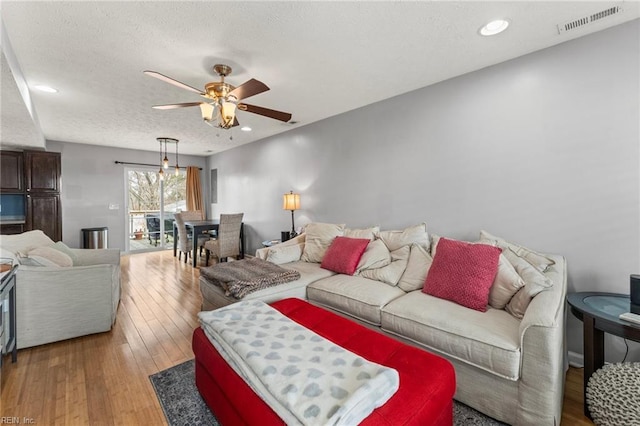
[[44, 88], [245, 129], [494, 27]]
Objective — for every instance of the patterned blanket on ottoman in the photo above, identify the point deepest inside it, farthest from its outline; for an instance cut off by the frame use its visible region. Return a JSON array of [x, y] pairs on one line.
[[245, 276], [427, 381], [304, 377]]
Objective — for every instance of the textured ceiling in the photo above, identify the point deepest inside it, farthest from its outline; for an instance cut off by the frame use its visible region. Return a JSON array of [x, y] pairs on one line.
[[319, 59]]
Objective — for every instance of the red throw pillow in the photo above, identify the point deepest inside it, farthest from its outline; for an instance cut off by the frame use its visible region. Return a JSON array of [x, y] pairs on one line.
[[343, 255], [463, 273]]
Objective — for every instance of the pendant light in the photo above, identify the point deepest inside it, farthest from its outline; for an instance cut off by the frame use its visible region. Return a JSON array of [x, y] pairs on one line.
[[165, 162], [177, 167], [161, 172]]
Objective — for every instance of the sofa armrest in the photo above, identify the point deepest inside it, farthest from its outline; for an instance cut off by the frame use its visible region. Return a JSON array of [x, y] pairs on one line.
[[261, 253], [542, 339], [87, 257], [60, 303]]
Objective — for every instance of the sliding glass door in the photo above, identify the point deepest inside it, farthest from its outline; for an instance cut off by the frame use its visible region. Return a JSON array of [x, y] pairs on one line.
[[151, 203]]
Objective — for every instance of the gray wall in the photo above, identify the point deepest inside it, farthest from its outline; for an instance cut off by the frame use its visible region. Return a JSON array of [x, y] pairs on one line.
[[542, 150], [91, 181]]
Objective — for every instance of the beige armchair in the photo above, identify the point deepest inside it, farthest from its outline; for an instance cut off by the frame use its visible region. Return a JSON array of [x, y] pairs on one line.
[[56, 303], [185, 243], [227, 242]]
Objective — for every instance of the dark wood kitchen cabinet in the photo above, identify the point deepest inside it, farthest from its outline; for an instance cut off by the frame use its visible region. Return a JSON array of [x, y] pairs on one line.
[[42, 171], [44, 213], [38, 175], [11, 172]]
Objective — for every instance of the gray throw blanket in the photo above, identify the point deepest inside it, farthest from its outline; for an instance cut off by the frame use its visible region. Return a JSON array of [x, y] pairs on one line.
[[245, 276]]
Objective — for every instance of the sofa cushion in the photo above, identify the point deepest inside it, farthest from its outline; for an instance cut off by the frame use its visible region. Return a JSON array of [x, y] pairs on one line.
[[417, 267], [391, 273], [538, 260], [359, 297], [413, 234], [463, 273], [319, 237], [280, 254], [489, 341], [343, 254]]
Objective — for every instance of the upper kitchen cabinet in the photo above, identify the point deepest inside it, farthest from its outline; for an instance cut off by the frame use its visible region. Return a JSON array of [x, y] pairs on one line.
[[42, 171], [11, 172]]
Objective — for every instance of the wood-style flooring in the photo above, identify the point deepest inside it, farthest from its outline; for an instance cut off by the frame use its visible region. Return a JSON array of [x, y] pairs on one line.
[[103, 379]]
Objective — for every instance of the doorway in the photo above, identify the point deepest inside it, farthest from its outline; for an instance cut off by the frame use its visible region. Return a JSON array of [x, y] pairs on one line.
[[151, 204]]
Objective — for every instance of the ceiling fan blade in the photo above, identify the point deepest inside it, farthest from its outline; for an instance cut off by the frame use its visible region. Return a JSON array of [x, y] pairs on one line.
[[172, 81], [271, 113], [248, 88], [174, 106]]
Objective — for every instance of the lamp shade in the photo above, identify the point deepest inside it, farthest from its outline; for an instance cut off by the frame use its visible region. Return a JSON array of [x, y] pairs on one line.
[[291, 201]]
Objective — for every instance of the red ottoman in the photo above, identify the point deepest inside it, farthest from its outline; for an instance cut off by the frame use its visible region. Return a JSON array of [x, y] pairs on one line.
[[427, 381]]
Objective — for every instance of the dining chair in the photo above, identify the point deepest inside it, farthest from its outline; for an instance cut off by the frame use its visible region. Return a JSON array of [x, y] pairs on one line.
[[185, 242], [227, 243]]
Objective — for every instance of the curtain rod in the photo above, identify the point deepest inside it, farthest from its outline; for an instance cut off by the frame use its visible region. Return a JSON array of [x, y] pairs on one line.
[[145, 164]]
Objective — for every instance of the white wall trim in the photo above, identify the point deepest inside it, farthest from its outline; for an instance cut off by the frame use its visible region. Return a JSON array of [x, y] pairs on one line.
[[576, 359]]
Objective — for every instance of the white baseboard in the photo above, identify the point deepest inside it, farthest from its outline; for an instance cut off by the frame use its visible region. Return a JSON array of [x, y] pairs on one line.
[[576, 359]]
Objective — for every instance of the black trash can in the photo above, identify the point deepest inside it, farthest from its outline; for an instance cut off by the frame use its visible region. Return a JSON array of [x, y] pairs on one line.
[[95, 238]]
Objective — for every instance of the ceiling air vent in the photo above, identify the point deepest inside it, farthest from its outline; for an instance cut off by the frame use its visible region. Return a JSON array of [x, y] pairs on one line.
[[589, 19]]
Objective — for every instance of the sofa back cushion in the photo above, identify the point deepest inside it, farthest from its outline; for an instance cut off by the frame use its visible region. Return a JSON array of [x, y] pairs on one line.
[[25, 241], [463, 273], [391, 273], [319, 237], [280, 254], [375, 256], [417, 268], [343, 254], [370, 233], [416, 234], [45, 256]]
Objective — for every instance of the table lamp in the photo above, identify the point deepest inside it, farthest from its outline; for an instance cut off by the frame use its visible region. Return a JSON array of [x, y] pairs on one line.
[[291, 202]]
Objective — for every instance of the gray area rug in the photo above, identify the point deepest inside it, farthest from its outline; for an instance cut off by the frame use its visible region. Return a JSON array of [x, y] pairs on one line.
[[183, 405]]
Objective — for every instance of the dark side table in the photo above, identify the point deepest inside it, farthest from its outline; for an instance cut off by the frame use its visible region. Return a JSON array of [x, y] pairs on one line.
[[599, 314]]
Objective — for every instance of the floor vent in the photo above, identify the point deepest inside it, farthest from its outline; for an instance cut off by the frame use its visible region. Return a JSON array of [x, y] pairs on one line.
[[589, 19]]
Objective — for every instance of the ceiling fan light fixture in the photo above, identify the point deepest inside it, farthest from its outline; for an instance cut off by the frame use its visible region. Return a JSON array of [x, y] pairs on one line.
[[207, 111], [494, 27], [227, 113]]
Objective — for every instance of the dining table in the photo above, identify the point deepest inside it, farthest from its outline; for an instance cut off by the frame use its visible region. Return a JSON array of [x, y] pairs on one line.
[[196, 227]]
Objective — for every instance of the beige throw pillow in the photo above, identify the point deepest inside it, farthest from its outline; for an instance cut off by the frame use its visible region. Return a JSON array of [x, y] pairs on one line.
[[505, 285], [284, 254], [391, 273], [319, 237], [417, 268], [534, 283], [416, 234], [369, 233], [375, 256], [538, 260]]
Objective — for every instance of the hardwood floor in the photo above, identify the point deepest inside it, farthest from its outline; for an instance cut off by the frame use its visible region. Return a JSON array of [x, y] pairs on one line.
[[103, 379]]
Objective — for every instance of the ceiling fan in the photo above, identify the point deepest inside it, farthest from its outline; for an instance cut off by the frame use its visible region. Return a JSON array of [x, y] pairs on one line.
[[224, 97]]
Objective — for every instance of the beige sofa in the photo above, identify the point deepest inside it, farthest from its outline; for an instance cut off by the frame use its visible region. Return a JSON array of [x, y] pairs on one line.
[[508, 368], [61, 302]]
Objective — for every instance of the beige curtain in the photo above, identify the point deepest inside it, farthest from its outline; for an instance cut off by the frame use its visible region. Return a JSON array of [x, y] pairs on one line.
[[194, 189]]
